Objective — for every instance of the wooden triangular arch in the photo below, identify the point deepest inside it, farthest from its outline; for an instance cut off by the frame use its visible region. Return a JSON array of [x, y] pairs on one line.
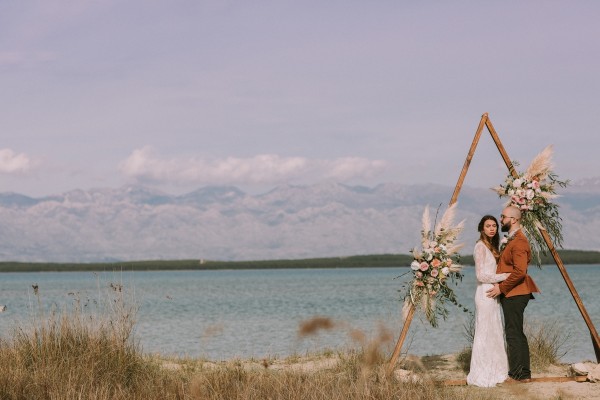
[[485, 122]]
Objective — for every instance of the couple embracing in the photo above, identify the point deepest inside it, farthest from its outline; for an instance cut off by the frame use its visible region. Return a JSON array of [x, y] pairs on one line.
[[503, 291]]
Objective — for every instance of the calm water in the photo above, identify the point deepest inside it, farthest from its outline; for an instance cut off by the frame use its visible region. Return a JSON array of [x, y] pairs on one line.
[[225, 314]]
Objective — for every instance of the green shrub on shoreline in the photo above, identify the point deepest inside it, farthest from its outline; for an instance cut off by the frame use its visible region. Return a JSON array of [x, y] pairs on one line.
[[362, 261]]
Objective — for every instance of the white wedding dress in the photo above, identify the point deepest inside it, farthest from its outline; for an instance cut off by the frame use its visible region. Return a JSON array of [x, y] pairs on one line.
[[489, 363]]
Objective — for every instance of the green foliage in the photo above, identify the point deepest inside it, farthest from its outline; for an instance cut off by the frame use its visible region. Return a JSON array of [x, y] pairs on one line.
[[532, 192], [364, 261], [377, 260]]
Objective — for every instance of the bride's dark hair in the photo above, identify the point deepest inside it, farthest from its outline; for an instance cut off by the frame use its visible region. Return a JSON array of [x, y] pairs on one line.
[[492, 243]]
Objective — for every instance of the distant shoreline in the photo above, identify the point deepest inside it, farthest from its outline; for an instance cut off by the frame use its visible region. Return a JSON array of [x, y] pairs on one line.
[[362, 261]]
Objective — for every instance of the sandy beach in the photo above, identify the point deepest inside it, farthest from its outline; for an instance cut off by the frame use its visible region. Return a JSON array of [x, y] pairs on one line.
[[444, 370], [447, 368]]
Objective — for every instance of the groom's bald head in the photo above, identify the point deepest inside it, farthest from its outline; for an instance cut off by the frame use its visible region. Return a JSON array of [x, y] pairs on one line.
[[512, 212], [510, 218]]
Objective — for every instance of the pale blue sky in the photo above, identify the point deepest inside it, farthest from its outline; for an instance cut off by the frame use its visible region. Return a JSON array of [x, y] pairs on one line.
[[182, 94]]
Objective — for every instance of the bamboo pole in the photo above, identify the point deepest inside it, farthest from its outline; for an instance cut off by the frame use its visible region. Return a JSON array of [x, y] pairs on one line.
[[461, 178], [463, 173], [559, 379], [485, 121], [503, 153], [396, 353], [578, 301], [555, 255]]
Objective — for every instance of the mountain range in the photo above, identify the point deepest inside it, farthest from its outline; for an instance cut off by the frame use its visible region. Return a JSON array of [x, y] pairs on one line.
[[226, 223]]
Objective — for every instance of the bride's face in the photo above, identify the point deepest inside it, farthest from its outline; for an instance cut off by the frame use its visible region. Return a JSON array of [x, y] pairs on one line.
[[490, 228]]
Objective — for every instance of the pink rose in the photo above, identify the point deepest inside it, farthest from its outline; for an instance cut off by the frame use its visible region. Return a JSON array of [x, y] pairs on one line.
[[419, 283], [419, 274], [424, 266], [434, 273], [436, 263]]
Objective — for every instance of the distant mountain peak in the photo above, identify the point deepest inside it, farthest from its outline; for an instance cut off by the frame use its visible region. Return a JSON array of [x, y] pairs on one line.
[[225, 223]]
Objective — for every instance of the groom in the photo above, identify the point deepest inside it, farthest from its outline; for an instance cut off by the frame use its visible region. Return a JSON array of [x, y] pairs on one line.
[[515, 292]]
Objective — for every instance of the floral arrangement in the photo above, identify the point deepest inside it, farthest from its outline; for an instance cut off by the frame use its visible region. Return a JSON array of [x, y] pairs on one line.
[[532, 192], [433, 266]]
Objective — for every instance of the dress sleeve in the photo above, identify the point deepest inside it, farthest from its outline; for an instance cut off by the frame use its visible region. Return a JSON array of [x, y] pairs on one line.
[[480, 271]]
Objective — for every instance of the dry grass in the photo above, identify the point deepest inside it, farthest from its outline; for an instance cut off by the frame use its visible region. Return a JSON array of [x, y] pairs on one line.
[[547, 344], [77, 354], [351, 377]]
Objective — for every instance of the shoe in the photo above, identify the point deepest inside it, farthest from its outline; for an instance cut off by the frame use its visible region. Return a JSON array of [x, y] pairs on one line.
[[509, 381], [512, 381]]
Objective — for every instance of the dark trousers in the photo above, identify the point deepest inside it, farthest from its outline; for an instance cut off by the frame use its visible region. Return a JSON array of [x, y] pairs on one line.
[[516, 341]]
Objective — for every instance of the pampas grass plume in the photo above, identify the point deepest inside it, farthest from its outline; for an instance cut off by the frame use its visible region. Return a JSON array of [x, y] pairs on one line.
[[541, 164]]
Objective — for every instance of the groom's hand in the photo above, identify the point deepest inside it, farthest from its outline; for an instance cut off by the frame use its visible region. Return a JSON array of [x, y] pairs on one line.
[[494, 292]]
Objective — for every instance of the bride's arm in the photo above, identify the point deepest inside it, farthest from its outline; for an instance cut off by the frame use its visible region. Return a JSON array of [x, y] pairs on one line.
[[479, 258]]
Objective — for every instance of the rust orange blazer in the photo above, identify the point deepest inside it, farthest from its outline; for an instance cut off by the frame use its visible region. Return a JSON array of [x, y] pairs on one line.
[[514, 259]]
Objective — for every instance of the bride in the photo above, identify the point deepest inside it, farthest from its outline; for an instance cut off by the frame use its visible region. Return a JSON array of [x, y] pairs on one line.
[[489, 363]]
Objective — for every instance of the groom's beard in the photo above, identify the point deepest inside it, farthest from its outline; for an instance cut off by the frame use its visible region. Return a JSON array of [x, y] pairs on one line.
[[506, 227]]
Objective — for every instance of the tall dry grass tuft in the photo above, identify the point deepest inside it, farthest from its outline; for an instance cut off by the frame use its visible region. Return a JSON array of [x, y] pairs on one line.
[[547, 343], [464, 357], [73, 353], [236, 383]]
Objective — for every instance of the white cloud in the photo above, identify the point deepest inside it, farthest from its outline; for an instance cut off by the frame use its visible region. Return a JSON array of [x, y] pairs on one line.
[[11, 163], [146, 166]]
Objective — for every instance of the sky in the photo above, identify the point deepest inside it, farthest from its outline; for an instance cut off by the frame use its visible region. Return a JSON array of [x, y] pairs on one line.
[[178, 95]]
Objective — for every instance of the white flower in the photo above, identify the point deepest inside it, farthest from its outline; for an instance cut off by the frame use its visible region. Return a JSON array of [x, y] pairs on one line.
[[530, 194], [428, 256], [517, 182], [415, 265], [445, 270], [511, 192]]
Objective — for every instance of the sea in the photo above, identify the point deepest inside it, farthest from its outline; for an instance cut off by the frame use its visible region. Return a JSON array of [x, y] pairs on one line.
[[228, 314]]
